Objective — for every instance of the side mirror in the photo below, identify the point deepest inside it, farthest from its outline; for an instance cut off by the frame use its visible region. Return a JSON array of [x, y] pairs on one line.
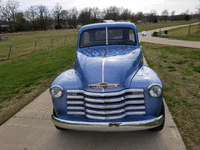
[[143, 33]]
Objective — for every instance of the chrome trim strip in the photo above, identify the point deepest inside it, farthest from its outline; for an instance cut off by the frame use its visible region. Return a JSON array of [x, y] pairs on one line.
[[115, 117], [103, 100], [75, 113], [133, 96], [75, 102], [75, 108], [108, 126], [115, 105], [75, 97], [114, 111], [105, 94], [103, 65]]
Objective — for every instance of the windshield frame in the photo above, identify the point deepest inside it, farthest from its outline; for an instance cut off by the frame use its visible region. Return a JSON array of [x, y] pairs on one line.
[[107, 40]]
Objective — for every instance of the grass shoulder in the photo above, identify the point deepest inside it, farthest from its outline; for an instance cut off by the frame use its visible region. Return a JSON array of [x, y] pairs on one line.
[[179, 69], [183, 33], [23, 79]]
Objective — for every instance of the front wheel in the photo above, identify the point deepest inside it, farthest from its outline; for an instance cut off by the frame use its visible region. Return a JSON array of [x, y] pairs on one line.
[[59, 128], [160, 127]]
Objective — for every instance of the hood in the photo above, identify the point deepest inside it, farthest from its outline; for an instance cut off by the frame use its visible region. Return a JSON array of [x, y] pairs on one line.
[[113, 65]]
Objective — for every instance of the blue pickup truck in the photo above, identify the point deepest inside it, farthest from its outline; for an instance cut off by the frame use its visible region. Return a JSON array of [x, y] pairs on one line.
[[109, 89]]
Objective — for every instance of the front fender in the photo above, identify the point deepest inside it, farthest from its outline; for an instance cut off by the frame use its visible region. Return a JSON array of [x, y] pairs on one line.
[[67, 80], [142, 80]]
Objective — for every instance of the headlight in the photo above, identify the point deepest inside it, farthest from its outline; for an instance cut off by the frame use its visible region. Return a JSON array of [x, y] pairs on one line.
[[154, 90], [56, 91]]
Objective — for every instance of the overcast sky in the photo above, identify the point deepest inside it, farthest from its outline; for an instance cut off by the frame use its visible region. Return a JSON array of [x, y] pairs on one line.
[[135, 6]]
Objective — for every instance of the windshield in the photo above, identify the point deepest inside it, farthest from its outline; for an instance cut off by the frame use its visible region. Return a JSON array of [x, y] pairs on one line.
[[116, 36]]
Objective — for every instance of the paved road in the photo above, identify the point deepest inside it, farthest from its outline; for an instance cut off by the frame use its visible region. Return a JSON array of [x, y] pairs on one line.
[[158, 40]]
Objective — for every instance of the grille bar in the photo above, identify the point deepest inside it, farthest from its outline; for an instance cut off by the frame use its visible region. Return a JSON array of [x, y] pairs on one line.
[[115, 117], [115, 105], [105, 106], [105, 94], [93, 100], [114, 111]]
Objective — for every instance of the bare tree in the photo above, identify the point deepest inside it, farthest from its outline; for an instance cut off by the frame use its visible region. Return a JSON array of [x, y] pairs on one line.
[[43, 13], [96, 14], [85, 17], [165, 14], [57, 10], [112, 13], [151, 17], [73, 16], [64, 16], [172, 14], [31, 15], [126, 14], [8, 12], [140, 16]]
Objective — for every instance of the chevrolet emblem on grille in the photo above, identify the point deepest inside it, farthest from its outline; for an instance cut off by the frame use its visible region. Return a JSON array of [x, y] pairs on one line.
[[103, 86]]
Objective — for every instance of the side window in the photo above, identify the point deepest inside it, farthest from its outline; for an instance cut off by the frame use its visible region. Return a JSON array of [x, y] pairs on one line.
[[131, 35]]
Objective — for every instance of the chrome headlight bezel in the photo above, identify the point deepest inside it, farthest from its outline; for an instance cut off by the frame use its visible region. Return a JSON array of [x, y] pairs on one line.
[[56, 91], [155, 90]]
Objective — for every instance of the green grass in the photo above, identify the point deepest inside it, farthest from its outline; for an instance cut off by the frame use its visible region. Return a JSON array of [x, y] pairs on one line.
[[24, 42], [180, 74], [152, 26], [30, 74], [182, 33], [24, 73]]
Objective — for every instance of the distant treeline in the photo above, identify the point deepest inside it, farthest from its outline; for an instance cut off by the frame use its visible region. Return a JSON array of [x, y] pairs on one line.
[[40, 18]]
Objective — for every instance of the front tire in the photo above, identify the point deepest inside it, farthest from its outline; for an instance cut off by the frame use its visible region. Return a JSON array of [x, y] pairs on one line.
[[59, 128], [160, 127]]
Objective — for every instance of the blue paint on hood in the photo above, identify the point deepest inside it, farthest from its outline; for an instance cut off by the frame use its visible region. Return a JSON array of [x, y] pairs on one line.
[[121, 63]]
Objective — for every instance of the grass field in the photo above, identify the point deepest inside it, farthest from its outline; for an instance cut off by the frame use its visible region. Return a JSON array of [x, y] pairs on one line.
[[152, 26], [182, 33], [24, 78], [179, 69], [24, 42]]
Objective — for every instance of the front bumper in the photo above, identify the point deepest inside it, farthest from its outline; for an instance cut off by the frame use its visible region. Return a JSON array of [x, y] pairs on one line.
[[106, 126]]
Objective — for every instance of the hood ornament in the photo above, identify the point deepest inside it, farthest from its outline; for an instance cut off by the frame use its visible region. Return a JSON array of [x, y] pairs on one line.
[[103, 86]]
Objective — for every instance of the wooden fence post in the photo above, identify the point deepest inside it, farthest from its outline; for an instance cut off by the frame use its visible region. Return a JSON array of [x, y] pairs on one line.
[[10, 51], [35, 45], [52, 43], [189, 29]]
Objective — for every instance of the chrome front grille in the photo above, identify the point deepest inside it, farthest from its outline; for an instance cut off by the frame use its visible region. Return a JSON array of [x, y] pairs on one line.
[[106, 106]]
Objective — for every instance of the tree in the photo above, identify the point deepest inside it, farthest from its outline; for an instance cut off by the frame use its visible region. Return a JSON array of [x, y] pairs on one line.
[[140, 15], [165, 14], [8, 12], [112, 13], [57, 14], [151, 17], [172, 14], [96, 14], [31, 15], [85, 17], [126, 14], [64, 16], [43, 14], [21, 23], [73, 16]]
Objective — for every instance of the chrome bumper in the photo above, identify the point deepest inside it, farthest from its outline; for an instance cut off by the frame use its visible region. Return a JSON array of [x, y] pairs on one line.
[[106, 126]]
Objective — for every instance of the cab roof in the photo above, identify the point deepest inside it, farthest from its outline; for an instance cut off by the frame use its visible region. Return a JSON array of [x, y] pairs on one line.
[[104, 25]]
